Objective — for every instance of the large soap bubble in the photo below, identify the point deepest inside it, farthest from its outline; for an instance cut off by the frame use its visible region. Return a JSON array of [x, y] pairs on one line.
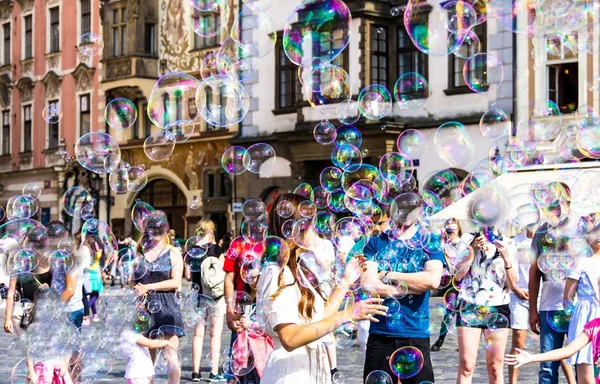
[[258, 35], [171, 98], [453, 144], [411, 91], [317, 29], [92, 150], [222, 101]]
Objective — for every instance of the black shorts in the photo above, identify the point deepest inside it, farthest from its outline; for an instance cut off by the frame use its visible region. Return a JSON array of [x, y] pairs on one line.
[[380, 348], [494, 321]]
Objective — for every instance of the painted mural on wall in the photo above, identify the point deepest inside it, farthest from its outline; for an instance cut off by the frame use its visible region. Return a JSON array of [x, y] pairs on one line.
[[187, 161]]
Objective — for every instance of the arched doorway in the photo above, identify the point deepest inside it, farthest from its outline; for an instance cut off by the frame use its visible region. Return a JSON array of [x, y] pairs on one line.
[[165, 196]]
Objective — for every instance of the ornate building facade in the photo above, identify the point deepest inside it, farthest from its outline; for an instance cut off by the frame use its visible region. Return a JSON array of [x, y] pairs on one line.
[[142, 43], [40, 67]]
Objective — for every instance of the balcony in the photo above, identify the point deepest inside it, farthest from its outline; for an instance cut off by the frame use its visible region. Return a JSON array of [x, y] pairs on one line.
[[119, 68]]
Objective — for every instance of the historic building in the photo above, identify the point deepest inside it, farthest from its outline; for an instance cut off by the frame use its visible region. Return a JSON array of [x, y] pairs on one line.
[[379, 52], [143, 41], [41, 66]]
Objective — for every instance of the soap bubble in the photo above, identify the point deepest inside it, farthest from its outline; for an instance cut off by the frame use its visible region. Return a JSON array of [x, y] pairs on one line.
[[317, 29], [254, 208], [52, 114], [378, 377], [348, 112], [235, 160], [494, 123], [118, 180], [205, 5], [453, 144], [374, 102], [159, 146], [222, 101], [411, 144], [406, 362], [411, 91], [171, 98], [258, 5], [325, 132], [137, 179], [211, 21], [348, 134], [235, 60], [481, 70], [471, 45], [92, 150], [90, 44], [262, 157], [346, 157], [258, 35], [77, 202], [139, 215], [120, 113], [181, 132]]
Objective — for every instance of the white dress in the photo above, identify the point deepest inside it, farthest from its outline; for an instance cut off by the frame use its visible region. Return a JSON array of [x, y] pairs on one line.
[[307, 364]]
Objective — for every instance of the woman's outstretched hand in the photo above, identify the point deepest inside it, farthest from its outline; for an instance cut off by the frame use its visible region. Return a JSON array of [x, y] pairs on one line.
[[365, 309], [521, 357]]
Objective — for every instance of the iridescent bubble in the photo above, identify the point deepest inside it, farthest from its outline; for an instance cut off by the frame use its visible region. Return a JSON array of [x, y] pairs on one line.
[[411, 144], [427, 27], [90, 44], [120, 113], [588, 138], [208, 67], [346, 157], [222, 101], [348, 134], [21, 207], [325, 132], [52, 114], [307, 208], [285, 208], [118, 180], [212, 20], [486, 210], [558, 320], [262, 157], [471, 45], [205, 5], [543, 122], [194, 255], [32, 189], [259, 34], [453, 144], [459, 17], [482, 70], [323, 78], [506, 155], [159, 146], [253, 208], [374, 102], [92, 150], [194, 203], [406, 362], [317, 29], [411, 91], [378, 377], [404, 207], [392, 165], [235, 160], [329, 94], [236, 61], [348, 112], [331, 178], [304, 189], [77, 201], [324, 223], [154, 306], [276, 250], [494, 123], [139, 215], [137, 178], [181, 132], [173, 99], [506, 13], [21, 262]]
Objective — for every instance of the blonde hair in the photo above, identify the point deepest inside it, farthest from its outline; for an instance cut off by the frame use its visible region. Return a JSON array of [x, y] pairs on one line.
[[204, 227]]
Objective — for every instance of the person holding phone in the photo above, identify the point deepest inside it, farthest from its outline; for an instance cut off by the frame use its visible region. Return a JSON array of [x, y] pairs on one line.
[[486, 276]]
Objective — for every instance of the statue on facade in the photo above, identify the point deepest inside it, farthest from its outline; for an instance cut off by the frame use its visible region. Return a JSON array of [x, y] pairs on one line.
[[189, 170]]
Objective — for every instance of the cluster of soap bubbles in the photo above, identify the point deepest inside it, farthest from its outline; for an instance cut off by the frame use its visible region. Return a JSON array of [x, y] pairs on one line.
[[258, 158]]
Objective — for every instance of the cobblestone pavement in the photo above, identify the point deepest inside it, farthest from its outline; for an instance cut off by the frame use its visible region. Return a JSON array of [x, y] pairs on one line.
[[350, 362]]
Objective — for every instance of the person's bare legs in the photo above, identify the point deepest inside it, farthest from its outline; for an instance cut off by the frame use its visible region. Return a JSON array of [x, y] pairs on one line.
[[494, 354], [331, 354], [197, 341], [518, 341], [175, 371], [468, 342], [585, 374], [568, 372], [216, 329]]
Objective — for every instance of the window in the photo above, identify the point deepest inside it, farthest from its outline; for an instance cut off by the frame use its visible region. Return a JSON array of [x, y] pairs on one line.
[[28, 21], [150, 36], [119, 29], [6, 43], [410, 59], [210, 183], [84, 115], [287, 84], [147, 122], [5, 132], [27, 128], [379, 55], [54, 29], [213, 22], [53, 129], [86, 16], [562, 74], [456, 64]]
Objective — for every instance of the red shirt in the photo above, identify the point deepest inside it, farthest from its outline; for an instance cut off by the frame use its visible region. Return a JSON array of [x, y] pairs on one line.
[[231, 265]]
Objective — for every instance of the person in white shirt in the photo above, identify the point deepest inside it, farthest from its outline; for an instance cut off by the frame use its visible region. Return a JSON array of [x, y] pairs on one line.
[[135, 347]]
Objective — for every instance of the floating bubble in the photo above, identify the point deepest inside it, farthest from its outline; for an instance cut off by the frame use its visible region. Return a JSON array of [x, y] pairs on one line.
[[235, 60], [348, 112], [32, 189], [482, 70], [235, 160], [471, 45], [325, 132], [486, 210], [120, 113], [52, 114], [317, 29], [459, 16], [506, 155], [411, 91], [136, 178], [348, 134], [173, 99], [558, 320], [285, 208], [494, 123], [379, 377], [328, 95], [77, 202], [222, 101], [92, 150], [159, 146], [346, 157], [406, 362], [393, 165], [304, 189], [90, 44], [331, 178], [262, 157], [139, 215], [259, 34], [154, 306], [211, 21], [180, 131], [208, 67], [119, 180], [453, 144], [21, 207], [205, 5], [21, 261], [588, 138], [411, 144], [374, 102]]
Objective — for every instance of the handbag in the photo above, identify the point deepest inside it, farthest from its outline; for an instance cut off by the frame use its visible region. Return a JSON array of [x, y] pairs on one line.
[[28, 315]]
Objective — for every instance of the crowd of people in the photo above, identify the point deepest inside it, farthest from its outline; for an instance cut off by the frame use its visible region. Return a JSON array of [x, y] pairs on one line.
[[284, 309]]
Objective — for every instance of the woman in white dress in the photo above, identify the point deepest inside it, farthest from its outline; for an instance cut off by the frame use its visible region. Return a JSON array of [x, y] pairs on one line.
[[297, 315]]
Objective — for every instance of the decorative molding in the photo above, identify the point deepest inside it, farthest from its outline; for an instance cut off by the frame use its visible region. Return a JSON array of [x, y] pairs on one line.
[[52, 2], [116, 68], [53, 61], [52, 83], [83, 76], [6, 8], [26, 5], [26, 85], [134, 9], [27, 67]]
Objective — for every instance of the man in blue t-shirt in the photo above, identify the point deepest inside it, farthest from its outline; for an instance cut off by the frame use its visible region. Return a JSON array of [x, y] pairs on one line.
[[408, 274]]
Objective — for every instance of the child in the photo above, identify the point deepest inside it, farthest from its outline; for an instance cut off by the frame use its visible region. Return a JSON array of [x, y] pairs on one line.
[[140, 369], [591, 333]]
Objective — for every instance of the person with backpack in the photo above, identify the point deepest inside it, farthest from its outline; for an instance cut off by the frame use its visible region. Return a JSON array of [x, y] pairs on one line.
[[211, 280]]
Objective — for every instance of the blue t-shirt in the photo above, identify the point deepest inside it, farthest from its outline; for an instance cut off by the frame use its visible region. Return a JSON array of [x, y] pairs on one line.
[[412, 321]]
